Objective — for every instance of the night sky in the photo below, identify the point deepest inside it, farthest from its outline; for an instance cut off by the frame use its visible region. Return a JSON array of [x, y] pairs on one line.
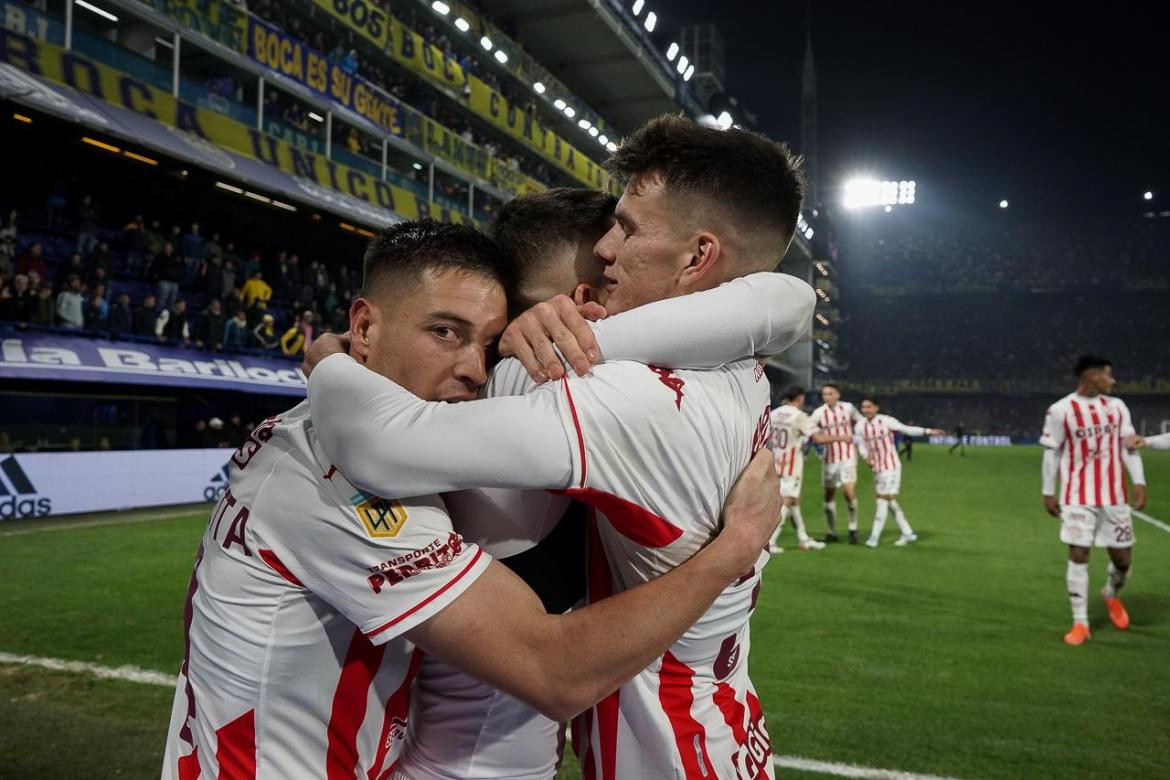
[[1064, 112]]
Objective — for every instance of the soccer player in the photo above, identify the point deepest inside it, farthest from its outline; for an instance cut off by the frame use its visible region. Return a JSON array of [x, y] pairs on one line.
[[792, 429], [648, 448], [839, 466], [311, 601], [875, 438], [1083, 445]]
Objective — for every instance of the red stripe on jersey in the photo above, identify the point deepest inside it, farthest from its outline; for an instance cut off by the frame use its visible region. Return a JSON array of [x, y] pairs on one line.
[[397, 709], [429, 598], [1097, 459], [188, 615], [639, 525], [600, 585], [577, 425], [759, 742], [1114, 452], [235, 748], [733, 711], [588, 769], [607, 728], [278, 566], [676, 697], [1084, 450], [362, 660], [187, 767], [1070, 448]]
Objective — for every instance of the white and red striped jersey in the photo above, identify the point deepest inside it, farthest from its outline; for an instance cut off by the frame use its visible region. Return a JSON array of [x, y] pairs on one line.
[[876, 438], [791, 428], [303, 586], [1088, 433], [838, 420]]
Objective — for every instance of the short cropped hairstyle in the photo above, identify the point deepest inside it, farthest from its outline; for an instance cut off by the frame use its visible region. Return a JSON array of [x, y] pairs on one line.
[[402, 253], [754, 183], [794, 392], [530, 227], [1089, 362], [872, 399], [830, 384]]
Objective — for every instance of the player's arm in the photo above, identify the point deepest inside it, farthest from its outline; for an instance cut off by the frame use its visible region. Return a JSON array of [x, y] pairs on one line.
[[759, 314], [562, 664], [818, 437], [1133, 462], [1135, 441], [388, 441], [1052, 439], [898, 426]]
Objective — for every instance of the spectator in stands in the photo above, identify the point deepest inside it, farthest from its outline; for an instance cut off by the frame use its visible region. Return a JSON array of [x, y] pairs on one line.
[[216, 436], [72, 267], [199, 436], [46, 311], [70, 304], [229, 276], [98, 276], [167, 271], [292, 343], [133, 241], [251, 266], [18, 302], [33, 260], [87, 224], [256, 289], [152, 239], [212, 276], [99, 291], [171, 325], [265, 333], [121, 318], [209, 327], [8, 243], [235, 332], [212, 248], [307, 327], [145, 316], [192, 252], [99, 259], [95, 318]]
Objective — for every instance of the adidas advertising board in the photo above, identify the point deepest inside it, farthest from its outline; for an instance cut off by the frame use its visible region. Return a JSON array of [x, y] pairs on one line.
[[47, 484]]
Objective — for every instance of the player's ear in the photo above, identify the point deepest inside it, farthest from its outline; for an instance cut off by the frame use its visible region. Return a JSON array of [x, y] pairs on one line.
[[361, 316], [706, 253], [583, 294]]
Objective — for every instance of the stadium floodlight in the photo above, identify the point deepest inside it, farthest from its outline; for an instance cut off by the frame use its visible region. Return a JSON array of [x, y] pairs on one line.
[[690, 72], [584, 124], [462, 24], [316, 117], [418, 166], [570, 112], [441, 8], [486, 43], [1148, 195], [611, 147], [1003, 204], [866, 192], [651, 21], [501, 57], [593, 131], [682, 65], [538, 88], [672, 52], [99, 11], [906, 192], [560, 104], [638, 5], [724, 121], [603, 139]]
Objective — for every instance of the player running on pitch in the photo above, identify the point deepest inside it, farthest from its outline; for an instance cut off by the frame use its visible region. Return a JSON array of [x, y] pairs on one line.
[[1082, 438], [875, 437], [792, 429], [839, 468]]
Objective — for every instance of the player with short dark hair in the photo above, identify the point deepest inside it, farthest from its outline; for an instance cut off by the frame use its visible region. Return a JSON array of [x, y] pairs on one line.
[[1084, 445], [839, 462]]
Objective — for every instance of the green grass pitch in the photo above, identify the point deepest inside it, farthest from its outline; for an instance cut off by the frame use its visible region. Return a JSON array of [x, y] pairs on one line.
[[943, 657]]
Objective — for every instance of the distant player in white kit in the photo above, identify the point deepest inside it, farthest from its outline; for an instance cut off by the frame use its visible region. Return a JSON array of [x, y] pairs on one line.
[[311, 601], [875, 438], [1083, 441], [792, 429], [839, 464]]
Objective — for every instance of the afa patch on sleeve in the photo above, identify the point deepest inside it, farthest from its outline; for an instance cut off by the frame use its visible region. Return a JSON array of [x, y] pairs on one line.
[[382, 518]]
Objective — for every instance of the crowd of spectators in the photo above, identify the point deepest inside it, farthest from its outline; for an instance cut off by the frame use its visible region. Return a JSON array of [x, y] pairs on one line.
[[175, 285]]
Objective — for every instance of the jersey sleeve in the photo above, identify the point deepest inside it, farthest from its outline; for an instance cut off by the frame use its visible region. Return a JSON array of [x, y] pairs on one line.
[[1159, 442], [1052, 436], [389, 442], [387, 566], [759, 314], [1131, 458], [897, 426], [509, 377]]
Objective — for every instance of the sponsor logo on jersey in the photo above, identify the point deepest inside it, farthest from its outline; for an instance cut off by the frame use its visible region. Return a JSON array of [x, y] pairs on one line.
[[217, 485], [18, 496], [382, 518], [435, 555], [727, 659]]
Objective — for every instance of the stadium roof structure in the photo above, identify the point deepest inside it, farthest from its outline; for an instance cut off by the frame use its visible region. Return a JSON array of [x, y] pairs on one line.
[[595, 53]]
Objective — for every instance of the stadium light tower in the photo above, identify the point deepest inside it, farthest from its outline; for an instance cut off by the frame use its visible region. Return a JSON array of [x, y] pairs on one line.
[[866, 193]]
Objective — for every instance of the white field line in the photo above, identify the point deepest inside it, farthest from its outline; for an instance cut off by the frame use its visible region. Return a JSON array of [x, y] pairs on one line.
[[849, 770], [127, 673], [66, 526], [151, 677], [1153, 521]]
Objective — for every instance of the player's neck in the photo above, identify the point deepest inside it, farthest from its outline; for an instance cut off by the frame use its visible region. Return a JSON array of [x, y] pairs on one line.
[[1087, 392]]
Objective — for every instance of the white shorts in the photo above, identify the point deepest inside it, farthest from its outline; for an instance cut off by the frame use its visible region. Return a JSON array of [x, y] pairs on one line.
[[1096, 526], [835, 475], [887, 483], [790, 486]]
